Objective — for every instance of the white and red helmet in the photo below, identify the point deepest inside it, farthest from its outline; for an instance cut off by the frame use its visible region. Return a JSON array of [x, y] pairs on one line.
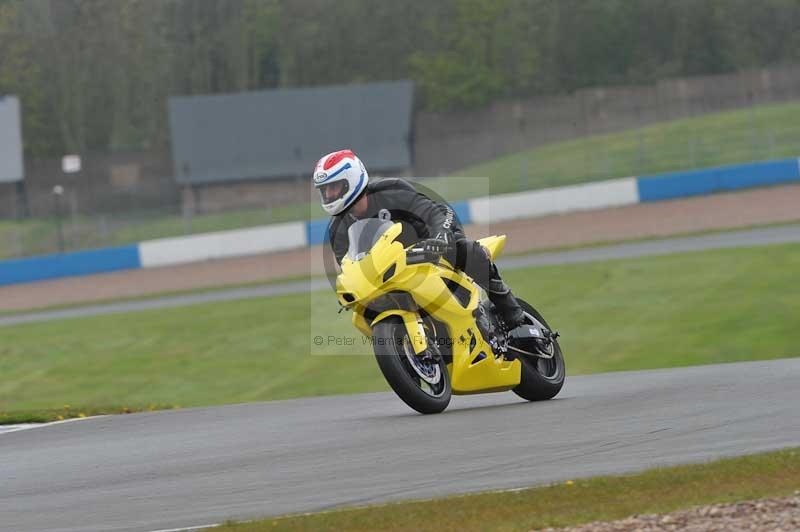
[[340, 178]]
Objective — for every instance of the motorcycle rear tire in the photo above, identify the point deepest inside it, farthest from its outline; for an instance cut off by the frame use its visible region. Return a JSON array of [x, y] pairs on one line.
[[537, 383]]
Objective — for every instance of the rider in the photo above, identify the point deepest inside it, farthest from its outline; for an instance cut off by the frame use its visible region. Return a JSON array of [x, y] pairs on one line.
[[348, 195]]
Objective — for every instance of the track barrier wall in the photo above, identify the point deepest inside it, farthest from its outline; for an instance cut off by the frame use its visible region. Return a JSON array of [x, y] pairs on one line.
[[599, 195], [222, 244], [69, 264], [721, 179], [279, 237]]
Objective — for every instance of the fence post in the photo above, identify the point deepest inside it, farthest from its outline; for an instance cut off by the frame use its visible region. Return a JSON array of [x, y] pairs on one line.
[[20, 211], [58, 193], [188, 201]]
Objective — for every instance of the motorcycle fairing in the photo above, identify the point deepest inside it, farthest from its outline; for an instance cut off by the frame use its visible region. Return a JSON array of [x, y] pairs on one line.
[[474, 368], [494, 244]]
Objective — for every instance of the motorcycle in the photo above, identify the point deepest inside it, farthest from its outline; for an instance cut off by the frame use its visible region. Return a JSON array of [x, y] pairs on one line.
[[433, 330]]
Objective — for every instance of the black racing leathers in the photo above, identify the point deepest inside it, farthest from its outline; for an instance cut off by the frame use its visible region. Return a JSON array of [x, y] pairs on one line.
[[422, 218], [397, 200]]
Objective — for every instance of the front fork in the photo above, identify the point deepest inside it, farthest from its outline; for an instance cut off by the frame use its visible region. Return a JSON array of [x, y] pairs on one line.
[[414, 327]]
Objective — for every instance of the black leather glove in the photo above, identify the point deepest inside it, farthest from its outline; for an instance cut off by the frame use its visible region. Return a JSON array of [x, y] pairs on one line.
[[439, 245]]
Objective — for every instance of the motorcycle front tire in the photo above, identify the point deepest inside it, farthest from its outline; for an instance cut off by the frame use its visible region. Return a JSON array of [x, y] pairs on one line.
[[388, 338]]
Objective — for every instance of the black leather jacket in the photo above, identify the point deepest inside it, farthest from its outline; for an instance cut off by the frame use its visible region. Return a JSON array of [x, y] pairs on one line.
[[397, 199]]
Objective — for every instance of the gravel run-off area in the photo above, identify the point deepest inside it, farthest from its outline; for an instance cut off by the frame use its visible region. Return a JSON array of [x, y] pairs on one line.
[[773, 515]]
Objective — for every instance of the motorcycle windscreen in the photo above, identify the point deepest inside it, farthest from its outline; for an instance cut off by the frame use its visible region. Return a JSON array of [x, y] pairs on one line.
[[363, 234]]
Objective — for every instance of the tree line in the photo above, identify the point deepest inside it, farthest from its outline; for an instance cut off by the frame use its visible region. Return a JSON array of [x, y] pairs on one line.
[[95, 75]]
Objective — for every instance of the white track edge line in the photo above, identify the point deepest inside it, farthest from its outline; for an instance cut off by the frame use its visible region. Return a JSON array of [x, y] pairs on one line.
[[51, 423], [187, 528]]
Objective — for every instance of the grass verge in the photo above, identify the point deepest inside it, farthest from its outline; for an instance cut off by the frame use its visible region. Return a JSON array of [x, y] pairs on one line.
[[565, 504], [70, 412], [679, 310]]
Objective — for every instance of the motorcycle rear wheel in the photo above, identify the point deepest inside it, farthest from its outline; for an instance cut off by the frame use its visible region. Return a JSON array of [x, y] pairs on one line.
[[541, 378], [391, 345]]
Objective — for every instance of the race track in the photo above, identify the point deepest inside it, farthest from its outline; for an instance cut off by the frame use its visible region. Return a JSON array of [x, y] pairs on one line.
[[200, 466]]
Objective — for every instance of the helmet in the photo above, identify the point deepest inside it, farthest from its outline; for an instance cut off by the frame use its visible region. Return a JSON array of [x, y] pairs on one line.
[[340, 178]]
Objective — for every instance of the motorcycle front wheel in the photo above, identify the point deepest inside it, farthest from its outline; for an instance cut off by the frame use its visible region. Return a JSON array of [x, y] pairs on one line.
[[421, 381], [541, 378]]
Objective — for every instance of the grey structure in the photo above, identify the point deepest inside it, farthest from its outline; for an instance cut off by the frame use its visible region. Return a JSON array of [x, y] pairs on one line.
[[11, 167], [281, 133]]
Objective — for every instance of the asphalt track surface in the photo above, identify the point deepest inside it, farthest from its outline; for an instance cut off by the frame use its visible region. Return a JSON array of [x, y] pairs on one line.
[[732, 239], [183, 468]]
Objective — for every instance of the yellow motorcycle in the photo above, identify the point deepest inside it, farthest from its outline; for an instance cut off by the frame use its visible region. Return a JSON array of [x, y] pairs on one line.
[[432, 328]]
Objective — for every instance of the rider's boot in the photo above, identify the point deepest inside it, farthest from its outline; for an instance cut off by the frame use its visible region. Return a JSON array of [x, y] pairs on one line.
[[504, 301]]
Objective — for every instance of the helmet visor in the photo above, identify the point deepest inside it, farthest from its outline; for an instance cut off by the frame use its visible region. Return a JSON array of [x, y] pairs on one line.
[[331, 192]]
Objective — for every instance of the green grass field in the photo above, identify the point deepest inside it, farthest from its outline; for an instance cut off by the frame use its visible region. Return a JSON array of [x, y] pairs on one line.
[[571, 503], [697, 308], [758, 133]]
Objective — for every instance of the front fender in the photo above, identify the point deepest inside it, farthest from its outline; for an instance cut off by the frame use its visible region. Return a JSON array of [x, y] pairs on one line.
[[413, 327]]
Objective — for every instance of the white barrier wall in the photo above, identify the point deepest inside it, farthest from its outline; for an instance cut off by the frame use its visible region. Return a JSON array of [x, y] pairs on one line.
[[223, 244], [293, 235], [616, 193], [586, 196]]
